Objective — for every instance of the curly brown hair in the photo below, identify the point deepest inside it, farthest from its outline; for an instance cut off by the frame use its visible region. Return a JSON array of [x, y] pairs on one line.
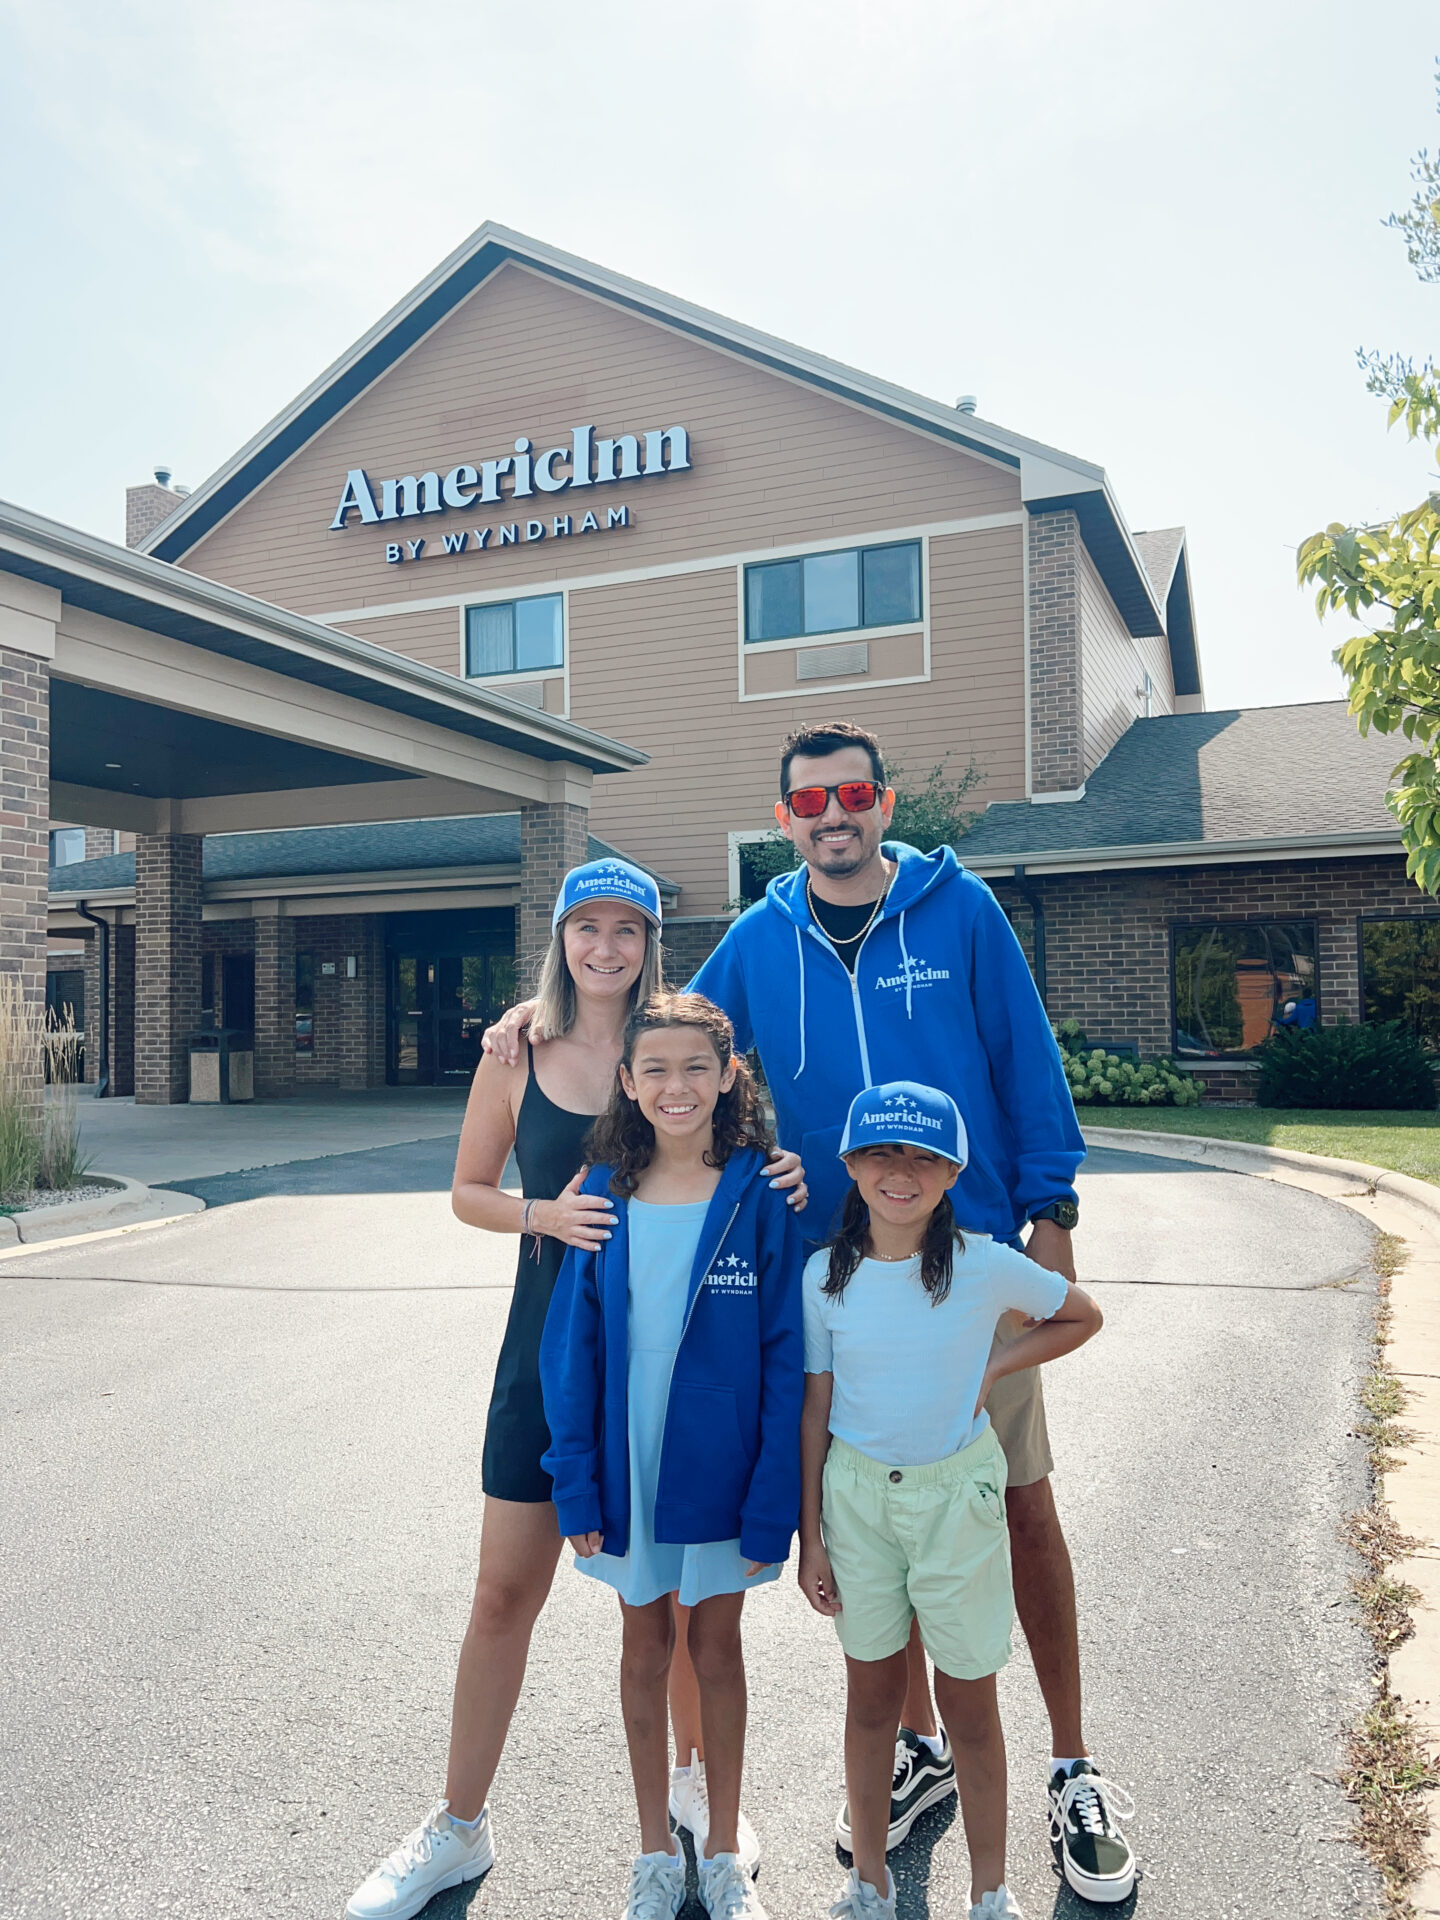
[[624, 1140], [852, 1243]]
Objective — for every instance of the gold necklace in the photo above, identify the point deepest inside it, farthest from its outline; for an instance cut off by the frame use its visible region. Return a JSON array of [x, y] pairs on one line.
[[850, 938]]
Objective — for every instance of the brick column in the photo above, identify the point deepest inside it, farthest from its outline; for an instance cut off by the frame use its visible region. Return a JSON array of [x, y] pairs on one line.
[[167, 964], [122, 1011], [24, 823], [1056, 742], [553, 838], [92, 1009], [1338, 965], [274, 1006]]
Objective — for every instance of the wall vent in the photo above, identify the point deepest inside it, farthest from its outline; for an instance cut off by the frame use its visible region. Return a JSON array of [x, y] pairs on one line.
[[530, 693], [828, 663]]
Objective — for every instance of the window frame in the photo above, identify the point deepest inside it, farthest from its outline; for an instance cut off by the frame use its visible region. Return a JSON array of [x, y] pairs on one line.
[[1363, 920], [518, 676], [1239, 1056], [875, 630]]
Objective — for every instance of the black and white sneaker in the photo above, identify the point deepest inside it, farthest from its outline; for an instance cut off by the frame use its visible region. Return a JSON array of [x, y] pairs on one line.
[[1095, 1856], [921, 1780]]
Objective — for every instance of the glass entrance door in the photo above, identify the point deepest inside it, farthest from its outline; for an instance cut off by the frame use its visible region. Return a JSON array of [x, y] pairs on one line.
[[440, 1004]]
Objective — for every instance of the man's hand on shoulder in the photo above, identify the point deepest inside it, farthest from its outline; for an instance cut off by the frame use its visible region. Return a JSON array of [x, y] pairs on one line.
[[504, 1038]]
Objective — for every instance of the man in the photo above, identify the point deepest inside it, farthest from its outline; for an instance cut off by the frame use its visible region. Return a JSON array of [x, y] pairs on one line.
[[871, 963]]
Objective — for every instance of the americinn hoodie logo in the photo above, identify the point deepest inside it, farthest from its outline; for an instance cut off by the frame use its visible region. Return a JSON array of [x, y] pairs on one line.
[[732, 1275]]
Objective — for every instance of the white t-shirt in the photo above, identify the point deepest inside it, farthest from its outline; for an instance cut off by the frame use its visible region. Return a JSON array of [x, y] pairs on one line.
[[907, 1373]]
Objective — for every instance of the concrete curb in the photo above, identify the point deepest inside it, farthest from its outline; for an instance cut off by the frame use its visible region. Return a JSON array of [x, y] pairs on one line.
[[1395, 1203], [129, 1203]]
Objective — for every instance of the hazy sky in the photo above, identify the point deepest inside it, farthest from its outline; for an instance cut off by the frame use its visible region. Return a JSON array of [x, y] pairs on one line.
[[1149, 235]]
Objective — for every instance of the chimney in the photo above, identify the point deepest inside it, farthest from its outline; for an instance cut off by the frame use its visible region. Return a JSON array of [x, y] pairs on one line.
[[147, 506]]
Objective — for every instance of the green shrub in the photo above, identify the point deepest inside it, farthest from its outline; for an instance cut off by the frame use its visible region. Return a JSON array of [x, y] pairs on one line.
[[1378, 1065], [1100, 1079]]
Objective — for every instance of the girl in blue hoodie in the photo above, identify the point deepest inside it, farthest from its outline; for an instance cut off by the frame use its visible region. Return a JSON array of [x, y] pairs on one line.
[[672, 1366]]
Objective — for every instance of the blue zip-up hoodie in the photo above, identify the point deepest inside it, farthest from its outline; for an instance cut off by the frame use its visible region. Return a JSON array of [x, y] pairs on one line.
[[941, 994], [730, 1455]]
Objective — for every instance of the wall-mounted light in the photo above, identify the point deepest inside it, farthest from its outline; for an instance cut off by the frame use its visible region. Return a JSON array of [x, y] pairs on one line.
[[350, 966]]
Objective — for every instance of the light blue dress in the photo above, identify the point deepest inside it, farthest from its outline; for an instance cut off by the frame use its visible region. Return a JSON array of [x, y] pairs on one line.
[[663, 1241]]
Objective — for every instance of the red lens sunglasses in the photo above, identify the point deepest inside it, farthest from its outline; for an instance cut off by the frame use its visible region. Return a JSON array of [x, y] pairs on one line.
[[855, 796]]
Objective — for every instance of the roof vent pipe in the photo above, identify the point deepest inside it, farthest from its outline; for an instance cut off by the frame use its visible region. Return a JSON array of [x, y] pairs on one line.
[[967, 403], [162, 476]]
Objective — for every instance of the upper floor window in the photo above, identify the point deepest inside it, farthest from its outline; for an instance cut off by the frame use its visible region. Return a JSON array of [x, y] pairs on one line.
[[515, 636], [67, 845], [833, 592], [1233, 983]]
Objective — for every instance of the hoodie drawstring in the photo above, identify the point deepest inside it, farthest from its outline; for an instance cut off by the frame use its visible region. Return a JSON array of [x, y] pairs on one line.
[[905, 963], [800, 962]]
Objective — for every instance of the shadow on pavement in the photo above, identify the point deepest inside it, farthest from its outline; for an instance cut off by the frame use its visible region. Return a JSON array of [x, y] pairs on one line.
[[1115, 1160], [416, 1166]]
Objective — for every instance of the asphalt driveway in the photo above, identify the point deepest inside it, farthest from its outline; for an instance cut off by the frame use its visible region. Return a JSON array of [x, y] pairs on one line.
[[241, 1461]]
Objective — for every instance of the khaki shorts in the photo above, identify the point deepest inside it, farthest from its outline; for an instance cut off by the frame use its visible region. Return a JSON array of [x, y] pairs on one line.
[[1017, 1413], [927, 1543]]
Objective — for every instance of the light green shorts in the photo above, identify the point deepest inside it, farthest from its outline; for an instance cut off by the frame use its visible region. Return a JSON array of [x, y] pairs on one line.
[[928, 1543]]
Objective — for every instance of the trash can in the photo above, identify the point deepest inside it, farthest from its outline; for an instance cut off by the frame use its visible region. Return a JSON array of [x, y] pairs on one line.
[[222, 1065]]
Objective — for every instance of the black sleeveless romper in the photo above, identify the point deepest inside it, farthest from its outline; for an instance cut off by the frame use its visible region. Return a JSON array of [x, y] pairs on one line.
[[549, 1146]]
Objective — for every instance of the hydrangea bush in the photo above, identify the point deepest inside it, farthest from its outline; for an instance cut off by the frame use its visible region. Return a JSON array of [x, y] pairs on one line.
[[1101, 1079]]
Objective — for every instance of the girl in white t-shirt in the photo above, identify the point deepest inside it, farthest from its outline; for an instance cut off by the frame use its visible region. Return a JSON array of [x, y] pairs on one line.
[[903, 1502]]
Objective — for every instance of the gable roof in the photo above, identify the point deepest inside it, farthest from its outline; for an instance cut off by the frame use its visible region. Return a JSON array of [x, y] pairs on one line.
[[1049, 479], [1253, 782], [466, 841]]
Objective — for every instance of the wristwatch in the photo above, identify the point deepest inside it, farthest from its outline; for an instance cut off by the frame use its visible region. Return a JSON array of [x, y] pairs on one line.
[[1065, 1213]]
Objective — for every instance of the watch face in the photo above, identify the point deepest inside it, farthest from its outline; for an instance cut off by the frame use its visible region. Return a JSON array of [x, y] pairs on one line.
[[1065, 1213]]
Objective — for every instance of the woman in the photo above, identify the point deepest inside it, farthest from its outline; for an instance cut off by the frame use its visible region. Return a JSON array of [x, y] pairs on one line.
[[603, 960]]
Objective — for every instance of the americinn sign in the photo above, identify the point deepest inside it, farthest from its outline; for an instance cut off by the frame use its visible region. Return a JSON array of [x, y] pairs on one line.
[[584, 462]]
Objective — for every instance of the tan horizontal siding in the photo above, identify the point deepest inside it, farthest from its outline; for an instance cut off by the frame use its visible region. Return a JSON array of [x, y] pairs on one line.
[[896, 655], [774, 462], [432, 637], [654, 663]]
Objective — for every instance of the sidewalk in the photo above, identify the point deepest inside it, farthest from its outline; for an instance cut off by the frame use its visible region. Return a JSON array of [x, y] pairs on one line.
[[160, 1144]]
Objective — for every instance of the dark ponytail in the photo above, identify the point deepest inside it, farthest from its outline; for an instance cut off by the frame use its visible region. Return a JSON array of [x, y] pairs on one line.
[[852, 1243]]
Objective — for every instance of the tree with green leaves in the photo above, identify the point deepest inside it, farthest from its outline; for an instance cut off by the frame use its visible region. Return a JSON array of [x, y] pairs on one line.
[[1389, 575]]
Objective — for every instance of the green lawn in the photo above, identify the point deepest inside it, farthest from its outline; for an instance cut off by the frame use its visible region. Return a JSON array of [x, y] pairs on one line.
[[1404, 1142]]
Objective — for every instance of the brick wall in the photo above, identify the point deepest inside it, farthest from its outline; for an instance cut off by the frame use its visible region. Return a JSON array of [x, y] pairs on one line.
[[92, 1009], [688, 944], [145, 508], [1056, 747], [24, 822], [349, 1047], [122, 1010], [274, 1006], [99, 842], [167, 964], [553, 838], [1107, 939]]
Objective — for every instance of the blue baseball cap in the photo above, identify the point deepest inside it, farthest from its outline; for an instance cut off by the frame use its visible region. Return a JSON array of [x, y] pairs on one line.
[[607, 880], [904, 1111]]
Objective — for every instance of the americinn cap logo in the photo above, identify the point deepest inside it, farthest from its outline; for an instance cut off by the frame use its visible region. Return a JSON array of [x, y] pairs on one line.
[[607, 880], [906, 1113]]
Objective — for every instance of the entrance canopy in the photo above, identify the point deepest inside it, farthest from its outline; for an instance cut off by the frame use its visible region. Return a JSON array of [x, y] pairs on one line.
[[181, 706], [138, 696]]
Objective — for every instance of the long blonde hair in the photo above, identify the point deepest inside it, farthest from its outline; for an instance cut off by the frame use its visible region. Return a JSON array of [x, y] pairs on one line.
[[555, 995]]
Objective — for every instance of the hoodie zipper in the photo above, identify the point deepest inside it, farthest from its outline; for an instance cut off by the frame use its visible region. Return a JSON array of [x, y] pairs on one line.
[[854, 979]]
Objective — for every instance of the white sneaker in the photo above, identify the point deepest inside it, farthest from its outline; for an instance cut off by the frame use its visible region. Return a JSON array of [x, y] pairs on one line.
[[690, 1808], [657, 1887], [999, 1905], [860, 1901], [439, 1854], [726, 1890]]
